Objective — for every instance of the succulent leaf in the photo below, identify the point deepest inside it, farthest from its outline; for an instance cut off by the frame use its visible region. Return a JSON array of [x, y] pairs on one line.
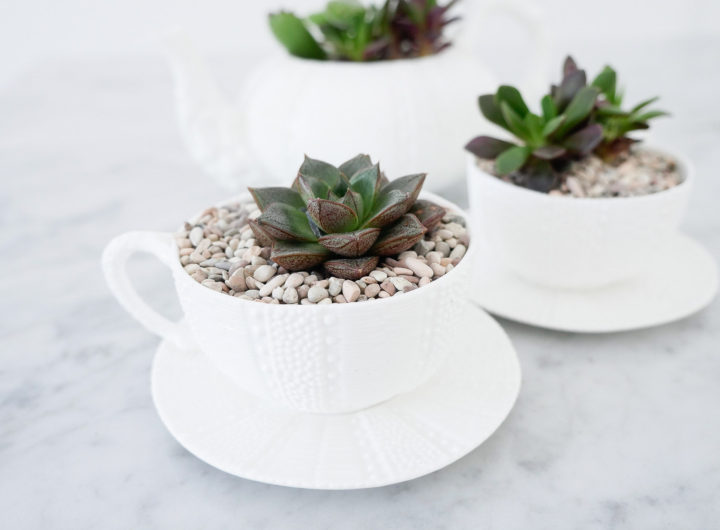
[[549, 109], [283, 222], [292, 33], [491, 110], [579, 108], [512, 97], [327, 173], [390, 206], [261, 236], [355, 164], [400, 236], [296, 256], [350, 244], [487, 147], [332, 216], [428, 213], [549, 152], [606, 82], [585, 140], [310, 188], [366, 182], [351, 268], [569, 87], [410, 184], [353, 200], [512, 159], [264, 197], [514, 121]]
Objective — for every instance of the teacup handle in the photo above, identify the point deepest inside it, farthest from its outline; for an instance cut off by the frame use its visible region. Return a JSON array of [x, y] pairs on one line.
[[531, 17], [114, 262]]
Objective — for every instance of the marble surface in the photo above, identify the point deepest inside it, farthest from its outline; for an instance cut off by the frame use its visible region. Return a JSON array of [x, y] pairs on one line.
[[610, 431]]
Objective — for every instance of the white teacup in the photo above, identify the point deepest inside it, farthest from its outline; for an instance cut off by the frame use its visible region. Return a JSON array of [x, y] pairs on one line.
[[569, 242], [317, 358]]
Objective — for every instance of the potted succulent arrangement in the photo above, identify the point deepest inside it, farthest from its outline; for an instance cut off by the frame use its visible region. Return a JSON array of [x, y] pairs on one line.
[[326, 296], [388, 78], [573, 200]]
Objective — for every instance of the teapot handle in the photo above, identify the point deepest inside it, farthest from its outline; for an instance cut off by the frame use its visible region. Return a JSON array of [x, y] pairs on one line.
[[114, 261], [531, 17], [213, 129]]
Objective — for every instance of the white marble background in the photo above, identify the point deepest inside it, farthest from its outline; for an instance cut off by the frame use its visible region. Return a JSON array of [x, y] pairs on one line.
[[610, 431]]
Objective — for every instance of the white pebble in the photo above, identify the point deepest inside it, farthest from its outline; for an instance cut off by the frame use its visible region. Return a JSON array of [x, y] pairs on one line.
[[294, 280], [419, 268], [196, 235], [380, 276], [315, 294], [290, 296], [458, 251], [335, 286], [263, 273]]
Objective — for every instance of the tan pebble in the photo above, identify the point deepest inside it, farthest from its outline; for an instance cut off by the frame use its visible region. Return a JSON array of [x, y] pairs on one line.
[[401, 270], [250, 282], [361, 284], [388, 286], [350, 290], [391, 262], [265, 253], [186, 251], [305, 301], [438, 270], [444, 234], [257, 260], [372, 290], [184, 260], [449, 268], [192, 267], [424, 281], [368, 279], [199, 276], [215, 286], [303, 291], [184, 243], [410, 278], [384, 294], [237, 280], [322, 283], [325, 301], [311, 279], [400, 283], [340, 299], [452, 242]]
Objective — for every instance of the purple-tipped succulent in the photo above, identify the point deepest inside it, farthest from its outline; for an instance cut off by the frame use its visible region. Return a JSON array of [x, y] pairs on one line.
[[344, 218]]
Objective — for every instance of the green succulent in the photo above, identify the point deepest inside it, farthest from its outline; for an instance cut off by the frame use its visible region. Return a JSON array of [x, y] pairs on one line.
[[344, 218], [576, 120], [347, 30]]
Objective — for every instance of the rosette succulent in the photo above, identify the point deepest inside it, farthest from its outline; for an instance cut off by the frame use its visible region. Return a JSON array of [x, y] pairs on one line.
[[576, 120], [347, 30], [344, 218]]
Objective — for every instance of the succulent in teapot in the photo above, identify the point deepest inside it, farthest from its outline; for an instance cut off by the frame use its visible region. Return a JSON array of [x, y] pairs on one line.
[[350, 31], [576, 120], [344, 218]]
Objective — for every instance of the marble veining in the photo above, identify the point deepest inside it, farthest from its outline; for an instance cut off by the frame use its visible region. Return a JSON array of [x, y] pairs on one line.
[[609, 432]]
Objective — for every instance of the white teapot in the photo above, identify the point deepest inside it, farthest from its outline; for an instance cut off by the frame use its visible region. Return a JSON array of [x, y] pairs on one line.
[[411, 114]]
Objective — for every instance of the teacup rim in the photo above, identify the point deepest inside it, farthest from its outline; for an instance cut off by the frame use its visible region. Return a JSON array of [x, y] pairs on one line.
[[687, 169], [179, 272]]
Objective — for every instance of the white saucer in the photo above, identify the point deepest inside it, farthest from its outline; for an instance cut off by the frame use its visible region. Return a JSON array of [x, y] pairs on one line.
[[681, 284], [406, 437]]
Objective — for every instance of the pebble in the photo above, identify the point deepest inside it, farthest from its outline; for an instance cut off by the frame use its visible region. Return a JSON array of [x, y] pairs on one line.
[[290, 295], [372, 290], [237, 281], [316, 293], [335, 286], [195, 236], [438, 270], [400, 283], [379, 276], [419, 268], [458, 252], [294, 280], [264, 273], [388, 286], [350, 290], [443, 248]]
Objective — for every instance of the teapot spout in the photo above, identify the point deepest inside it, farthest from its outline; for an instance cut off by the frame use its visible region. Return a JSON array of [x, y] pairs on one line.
[[210, 126]]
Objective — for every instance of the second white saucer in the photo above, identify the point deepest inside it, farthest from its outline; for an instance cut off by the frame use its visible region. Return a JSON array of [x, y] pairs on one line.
[[684, 282]]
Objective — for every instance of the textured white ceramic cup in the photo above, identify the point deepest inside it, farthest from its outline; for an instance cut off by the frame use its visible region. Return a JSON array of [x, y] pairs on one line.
[[316, 358], [569, 242]]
